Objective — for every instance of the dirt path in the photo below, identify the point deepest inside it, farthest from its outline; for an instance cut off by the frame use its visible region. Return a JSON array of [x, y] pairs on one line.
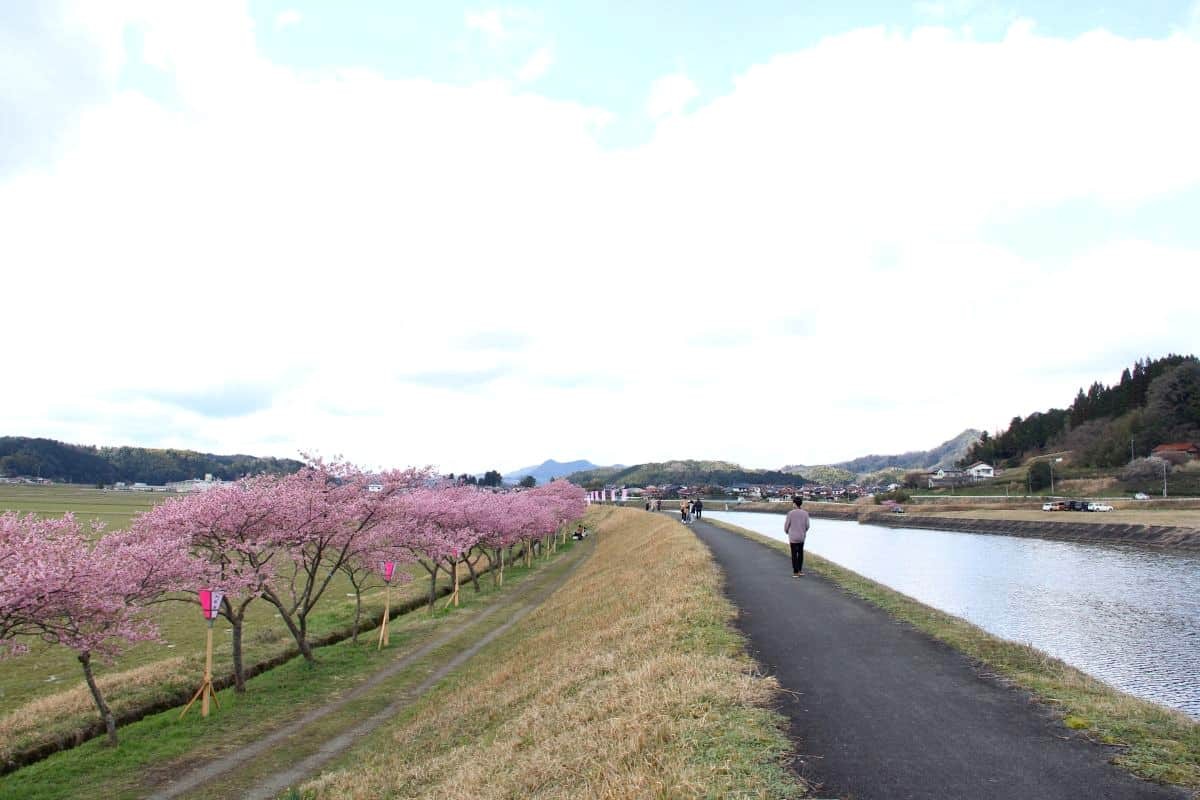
[[879, 710], [528, 597]]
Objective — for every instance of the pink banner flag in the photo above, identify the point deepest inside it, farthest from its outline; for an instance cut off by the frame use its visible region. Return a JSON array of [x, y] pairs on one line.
[[210, 603], [388, 568]]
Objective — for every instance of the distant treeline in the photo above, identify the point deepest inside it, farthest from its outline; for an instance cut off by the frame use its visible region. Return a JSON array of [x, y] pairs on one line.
[[1155, 401], [73, 463]]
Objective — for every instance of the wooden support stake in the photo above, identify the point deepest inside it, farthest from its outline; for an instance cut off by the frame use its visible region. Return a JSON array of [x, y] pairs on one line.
[[384, 635], [205, 692], [501, 583]]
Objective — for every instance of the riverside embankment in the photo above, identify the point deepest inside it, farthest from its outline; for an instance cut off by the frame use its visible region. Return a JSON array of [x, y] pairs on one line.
[[989, 521], [935, 707], [1124, 613]]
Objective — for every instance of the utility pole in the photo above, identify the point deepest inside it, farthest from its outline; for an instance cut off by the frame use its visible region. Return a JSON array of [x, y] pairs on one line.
[[1165, 464], [1131, 456]]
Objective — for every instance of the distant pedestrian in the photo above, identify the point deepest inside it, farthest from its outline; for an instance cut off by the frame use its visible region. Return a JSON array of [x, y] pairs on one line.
[[698, 508], [796, 527], [684, 508]]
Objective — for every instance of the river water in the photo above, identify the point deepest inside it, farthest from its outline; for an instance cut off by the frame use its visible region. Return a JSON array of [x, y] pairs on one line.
[[1126, 614]]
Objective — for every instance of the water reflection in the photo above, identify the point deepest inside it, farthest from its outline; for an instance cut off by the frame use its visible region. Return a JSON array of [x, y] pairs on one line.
[[1127, 614]]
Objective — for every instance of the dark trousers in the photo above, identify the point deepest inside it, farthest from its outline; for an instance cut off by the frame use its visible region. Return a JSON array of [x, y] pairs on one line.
[[797, 556]]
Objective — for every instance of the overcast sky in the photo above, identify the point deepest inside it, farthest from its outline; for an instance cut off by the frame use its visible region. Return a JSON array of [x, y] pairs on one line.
[[481, 236]]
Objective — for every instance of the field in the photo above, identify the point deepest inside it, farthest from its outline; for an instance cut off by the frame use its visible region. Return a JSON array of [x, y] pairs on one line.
[[43, 693]]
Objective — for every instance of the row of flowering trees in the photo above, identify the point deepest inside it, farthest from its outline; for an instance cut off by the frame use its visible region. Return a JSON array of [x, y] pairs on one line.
[[282, 540]]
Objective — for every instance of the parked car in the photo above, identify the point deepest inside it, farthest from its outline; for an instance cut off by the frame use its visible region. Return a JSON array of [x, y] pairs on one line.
[[1047, 506], [1141, 496], [1077, 505], [1055, 505], [1099, 507]]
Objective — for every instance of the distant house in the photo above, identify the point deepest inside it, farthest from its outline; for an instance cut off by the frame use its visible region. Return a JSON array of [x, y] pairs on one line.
[[1189, 449], [947, 477], [979, 470]]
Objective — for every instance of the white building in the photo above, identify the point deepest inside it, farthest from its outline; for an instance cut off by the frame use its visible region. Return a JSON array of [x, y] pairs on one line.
[[979, 470]]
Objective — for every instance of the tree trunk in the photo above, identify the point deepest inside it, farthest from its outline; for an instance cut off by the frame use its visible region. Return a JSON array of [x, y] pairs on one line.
[[110, 722], [297, 631], [474, 575], [432, 586], [357, 614], [239, 669]]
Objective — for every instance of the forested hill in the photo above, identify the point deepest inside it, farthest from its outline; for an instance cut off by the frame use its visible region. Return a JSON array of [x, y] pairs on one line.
[[685, 473], [58, 461], [1154, 402], [944, 455]]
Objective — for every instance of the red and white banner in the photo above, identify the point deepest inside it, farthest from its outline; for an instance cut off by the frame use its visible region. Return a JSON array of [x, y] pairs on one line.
[[388, 568], [210, 603]]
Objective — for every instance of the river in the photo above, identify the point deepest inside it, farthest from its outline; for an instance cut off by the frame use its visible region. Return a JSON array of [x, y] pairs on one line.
[[1126, 614]]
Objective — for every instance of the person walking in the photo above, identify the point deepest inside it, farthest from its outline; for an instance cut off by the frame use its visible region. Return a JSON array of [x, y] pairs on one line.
[[683, 511], [796, 528], [698, 508]]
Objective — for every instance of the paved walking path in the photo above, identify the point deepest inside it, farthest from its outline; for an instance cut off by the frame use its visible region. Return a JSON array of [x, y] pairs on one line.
[[879, 710]]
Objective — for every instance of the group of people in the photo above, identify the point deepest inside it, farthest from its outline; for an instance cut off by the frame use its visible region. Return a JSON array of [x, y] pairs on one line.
[[691, 509], [795, 525], [580, 533]]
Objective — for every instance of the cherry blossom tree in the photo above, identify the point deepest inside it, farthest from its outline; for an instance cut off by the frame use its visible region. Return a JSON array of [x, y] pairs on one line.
[[363, 566], [232, 530], [328, 509], [74, 587]]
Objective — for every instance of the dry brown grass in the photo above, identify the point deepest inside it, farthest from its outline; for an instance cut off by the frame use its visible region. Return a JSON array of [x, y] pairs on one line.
[[77, 702], [628, 682]]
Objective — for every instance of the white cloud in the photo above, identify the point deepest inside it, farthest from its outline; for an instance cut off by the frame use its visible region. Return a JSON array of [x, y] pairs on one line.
[[288, 18], [537, 65], [490, 23], [944, 9], [669, 95], [334, 244]]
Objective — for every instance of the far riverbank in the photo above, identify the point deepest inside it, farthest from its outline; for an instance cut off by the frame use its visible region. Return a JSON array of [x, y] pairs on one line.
[[1076, 526]]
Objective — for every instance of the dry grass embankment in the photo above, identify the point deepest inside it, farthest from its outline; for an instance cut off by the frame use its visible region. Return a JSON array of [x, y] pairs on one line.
[[630, 681], [1158, 743]]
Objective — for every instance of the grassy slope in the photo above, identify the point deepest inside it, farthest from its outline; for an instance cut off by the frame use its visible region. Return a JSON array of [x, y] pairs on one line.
[[162, 745], [1160, 744], [628, 682]]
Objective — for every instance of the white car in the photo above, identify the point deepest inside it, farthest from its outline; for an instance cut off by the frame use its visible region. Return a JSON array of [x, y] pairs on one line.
[[1099, 507], [1141, 496], [1047, 506]]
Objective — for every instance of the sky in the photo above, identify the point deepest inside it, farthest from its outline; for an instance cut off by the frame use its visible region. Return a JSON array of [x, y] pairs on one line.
[[480, 236]]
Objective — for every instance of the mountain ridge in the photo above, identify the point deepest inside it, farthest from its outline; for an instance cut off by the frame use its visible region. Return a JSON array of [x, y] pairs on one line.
[[549, 469], [947, 454]]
